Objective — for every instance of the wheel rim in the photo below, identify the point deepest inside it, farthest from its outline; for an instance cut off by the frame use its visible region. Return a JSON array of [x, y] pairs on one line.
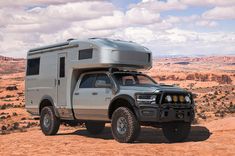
[[46, 120], [121, 125]]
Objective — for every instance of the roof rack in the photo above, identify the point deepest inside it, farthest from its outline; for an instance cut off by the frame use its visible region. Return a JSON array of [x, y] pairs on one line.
[[50, 46], [70, 39]]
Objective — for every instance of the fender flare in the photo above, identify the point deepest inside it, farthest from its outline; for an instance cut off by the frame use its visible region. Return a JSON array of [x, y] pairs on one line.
[[128, 98], [49, 98]]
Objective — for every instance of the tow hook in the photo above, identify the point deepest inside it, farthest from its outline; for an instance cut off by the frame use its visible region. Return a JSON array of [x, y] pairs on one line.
[[180, 115]]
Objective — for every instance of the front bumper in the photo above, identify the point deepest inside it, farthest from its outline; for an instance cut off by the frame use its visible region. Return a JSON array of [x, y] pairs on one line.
[[165, 114]]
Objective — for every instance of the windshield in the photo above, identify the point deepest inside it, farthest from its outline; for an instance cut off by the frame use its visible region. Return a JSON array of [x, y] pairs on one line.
[[132, 79]]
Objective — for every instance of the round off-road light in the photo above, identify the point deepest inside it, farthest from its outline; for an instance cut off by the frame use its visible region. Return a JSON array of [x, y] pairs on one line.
[[181, 98], [187, 99], [168, 98], [175, 98]]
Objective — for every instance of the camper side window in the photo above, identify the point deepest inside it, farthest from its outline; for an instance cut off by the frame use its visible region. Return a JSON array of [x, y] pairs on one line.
[[85, 54], [33, 66], [88, 81], [62, 66]]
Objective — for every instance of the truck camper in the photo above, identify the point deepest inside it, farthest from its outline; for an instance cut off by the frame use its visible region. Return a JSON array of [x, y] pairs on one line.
[[97, 81]]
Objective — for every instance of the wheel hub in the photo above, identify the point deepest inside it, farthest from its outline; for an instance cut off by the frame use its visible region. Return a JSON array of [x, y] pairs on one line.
[[121, 125], [46, 121]]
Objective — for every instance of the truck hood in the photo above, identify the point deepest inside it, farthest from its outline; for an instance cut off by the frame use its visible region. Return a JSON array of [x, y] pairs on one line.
[[153, 88]]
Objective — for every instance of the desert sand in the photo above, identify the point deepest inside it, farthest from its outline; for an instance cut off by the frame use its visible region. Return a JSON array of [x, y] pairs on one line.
[[213, 132], [212, 139]]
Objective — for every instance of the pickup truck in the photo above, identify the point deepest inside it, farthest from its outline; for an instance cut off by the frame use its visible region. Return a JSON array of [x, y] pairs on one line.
[[97, 82]]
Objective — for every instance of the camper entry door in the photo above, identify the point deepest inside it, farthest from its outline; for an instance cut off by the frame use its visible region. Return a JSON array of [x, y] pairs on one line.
[[61, 80]]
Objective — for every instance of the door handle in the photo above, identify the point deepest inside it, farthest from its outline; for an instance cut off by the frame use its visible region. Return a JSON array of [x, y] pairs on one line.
[[76, 93], [94, 93], [58, 82]]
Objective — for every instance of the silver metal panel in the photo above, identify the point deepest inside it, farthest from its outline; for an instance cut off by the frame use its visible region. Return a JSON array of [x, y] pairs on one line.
[[106, 53]]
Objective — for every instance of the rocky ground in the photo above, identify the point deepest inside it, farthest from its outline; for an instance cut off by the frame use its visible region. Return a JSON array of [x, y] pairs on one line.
[[211, 78], [212, 139]]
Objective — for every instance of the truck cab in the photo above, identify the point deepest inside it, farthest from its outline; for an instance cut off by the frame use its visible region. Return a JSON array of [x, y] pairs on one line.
[[97, 82]]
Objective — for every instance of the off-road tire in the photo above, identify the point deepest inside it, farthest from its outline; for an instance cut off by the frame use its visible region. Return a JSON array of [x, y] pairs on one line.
[[132, 128], [176, 131], [94, 127], [54, 122]]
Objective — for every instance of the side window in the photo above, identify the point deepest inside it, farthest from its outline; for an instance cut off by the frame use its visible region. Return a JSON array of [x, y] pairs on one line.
[[33, 66], [103, 77], [62, 67], [85, 54], [88, 81], [128, 80], [144, 80]]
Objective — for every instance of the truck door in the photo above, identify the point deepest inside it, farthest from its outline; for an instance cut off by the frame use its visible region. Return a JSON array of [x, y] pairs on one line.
[[90, 102], [61, 80]]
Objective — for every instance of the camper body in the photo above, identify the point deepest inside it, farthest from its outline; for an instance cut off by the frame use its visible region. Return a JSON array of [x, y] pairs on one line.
[[97, 81]]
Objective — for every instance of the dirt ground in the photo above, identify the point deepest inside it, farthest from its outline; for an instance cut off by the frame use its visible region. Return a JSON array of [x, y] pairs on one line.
[[214, 135], [212, 139]]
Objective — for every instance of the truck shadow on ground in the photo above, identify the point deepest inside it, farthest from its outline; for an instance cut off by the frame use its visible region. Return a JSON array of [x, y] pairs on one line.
[[149, 135]]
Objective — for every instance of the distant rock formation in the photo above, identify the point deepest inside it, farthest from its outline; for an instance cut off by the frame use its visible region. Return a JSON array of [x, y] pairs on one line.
[[182, 63], [221, 79], [4, 58]]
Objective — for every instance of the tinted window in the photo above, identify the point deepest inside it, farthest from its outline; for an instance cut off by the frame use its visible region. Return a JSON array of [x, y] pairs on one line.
[[143, 80], [88, 81], [149, 57], [126, 79], [85, 54], [62, 66], [103, 77], [33, 66]]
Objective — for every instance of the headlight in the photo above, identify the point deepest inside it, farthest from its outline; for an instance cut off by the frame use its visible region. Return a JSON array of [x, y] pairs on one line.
[[187, 99], [146, 99], [168, 98]]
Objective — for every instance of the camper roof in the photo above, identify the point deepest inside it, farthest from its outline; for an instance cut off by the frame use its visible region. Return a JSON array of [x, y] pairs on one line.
[[100, 42]]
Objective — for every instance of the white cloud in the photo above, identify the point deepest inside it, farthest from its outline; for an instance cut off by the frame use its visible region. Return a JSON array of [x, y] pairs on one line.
[[106, 22], [141, 16], [205, 23], [137, 34], [193, 20], [26, 3], [77, 11], [52, 18], [220, 13], [177, 41], [30, 23], [159, 6], [162, 25], [208, 2]]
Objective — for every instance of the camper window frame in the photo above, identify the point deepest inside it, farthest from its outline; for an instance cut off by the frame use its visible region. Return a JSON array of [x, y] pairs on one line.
[[85, 54], [30, 71]]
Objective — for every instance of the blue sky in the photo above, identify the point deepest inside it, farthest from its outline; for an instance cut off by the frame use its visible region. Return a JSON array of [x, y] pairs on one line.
[[167, 27], [124, 4]]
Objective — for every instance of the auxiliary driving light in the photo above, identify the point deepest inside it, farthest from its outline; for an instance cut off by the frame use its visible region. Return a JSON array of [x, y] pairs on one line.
[[168, 98], [181, 98], [175, 98]]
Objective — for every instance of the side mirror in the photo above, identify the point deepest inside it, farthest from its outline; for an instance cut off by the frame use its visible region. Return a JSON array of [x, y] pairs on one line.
[[102, 84]]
